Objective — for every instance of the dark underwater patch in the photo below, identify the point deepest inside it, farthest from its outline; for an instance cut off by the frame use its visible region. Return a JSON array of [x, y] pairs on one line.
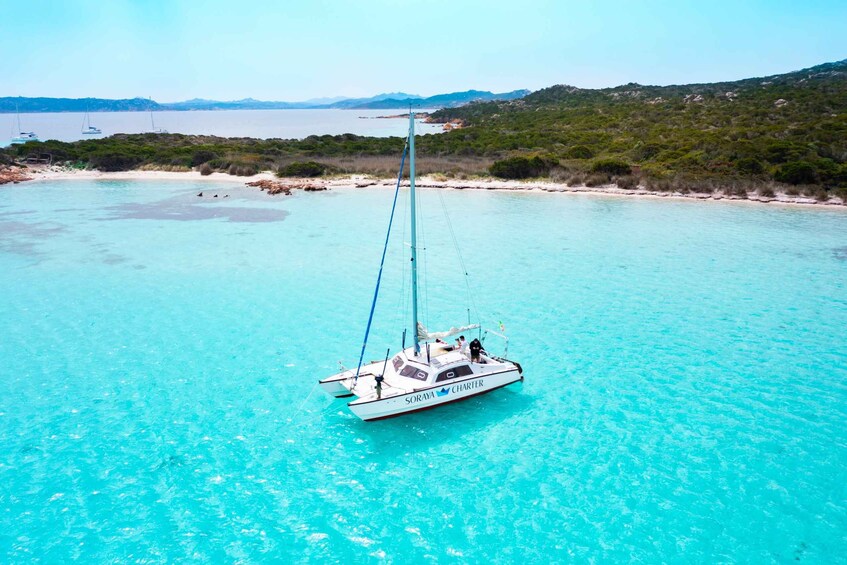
[[22, 238], [182, 211]]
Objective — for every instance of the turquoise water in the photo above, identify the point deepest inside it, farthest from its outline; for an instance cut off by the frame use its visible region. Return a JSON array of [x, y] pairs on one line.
[[686, 392]]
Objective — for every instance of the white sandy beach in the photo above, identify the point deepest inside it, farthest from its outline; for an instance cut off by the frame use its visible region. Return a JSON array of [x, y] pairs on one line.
[[359, 181]]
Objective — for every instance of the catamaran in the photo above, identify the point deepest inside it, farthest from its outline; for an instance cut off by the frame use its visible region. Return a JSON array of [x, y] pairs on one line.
[[87, 128], [23, 136], [431, 372]]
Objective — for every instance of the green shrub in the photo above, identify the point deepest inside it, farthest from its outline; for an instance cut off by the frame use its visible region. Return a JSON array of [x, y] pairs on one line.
[[655, 171], [597, 179], [202, 156], [796, 172], [579, 152], [841, 176], [302, 169], [736, 190], [827, 170], [241, 170], [611, 167], [519, 168], [750, 166], [627, 182], [783, 151], [646, 151], [576, 180], [659, 184], [109, 161]]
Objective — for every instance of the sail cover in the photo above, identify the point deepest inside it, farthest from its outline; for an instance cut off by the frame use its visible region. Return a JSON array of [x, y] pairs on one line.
[[423, 334]]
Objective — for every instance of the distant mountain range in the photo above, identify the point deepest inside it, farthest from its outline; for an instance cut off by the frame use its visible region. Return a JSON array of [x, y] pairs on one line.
[[392, 100]]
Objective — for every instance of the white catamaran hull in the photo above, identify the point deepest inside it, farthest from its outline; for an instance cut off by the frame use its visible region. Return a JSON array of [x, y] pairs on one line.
[[370, 408], [338, 385], [23, 138]]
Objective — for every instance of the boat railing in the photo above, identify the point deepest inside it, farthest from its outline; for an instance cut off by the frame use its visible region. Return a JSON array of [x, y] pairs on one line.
[[501, 336]]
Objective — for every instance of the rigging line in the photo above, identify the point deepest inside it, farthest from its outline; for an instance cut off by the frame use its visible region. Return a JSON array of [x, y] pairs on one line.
[[424, 254], [402, 302], [382, 262], [405, 287], [299, 408], [470, 295]]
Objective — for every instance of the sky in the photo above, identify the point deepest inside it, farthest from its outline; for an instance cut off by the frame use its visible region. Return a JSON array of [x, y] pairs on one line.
[[295, 50]]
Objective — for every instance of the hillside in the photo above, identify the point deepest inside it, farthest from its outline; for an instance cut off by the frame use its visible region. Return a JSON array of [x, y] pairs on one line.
[[451, 100], [392, 100], [790, 127], [34, 105]]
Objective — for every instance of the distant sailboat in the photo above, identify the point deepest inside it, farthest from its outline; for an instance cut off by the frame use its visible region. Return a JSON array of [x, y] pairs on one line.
[[87, 128], [23, 136], [153, 128]]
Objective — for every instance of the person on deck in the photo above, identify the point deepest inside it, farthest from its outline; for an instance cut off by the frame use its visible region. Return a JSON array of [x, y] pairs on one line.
[[446, 346], [476, 348], [462, 344]]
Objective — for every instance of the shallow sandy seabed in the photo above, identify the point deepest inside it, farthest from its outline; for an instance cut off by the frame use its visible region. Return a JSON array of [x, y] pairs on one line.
[[360, 181]]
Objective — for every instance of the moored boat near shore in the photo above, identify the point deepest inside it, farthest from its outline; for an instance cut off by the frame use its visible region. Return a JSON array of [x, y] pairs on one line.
[[87, 128], [22, 136]]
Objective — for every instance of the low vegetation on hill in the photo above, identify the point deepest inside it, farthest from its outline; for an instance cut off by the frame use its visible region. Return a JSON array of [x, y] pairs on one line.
[[751, 134], [789, 128]]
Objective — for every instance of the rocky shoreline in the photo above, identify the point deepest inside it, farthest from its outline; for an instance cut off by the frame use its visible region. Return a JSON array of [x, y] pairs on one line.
[[13, 175], [286, 186], [491, 184], [273, 185]]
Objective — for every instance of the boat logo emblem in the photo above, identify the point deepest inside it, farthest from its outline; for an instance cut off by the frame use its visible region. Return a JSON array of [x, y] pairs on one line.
[[444, 391]]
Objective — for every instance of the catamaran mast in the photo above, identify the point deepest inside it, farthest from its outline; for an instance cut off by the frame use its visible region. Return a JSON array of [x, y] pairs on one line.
[[414, 232]]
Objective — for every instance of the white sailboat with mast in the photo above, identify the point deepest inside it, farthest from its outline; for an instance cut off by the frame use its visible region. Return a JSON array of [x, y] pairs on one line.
[[153, 128], [430, 372], [22, 136], [87, 128]]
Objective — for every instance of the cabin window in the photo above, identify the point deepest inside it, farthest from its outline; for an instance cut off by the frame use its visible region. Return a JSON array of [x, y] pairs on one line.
[[413, 373], [397, 362], [460, 371]]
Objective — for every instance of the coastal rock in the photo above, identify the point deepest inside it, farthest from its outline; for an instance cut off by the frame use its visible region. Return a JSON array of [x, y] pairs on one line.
[[285, 187], [13, 175], [780, 103], [453, 124]]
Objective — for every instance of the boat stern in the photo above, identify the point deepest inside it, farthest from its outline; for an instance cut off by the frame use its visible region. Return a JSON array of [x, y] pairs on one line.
[[338, 385]]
